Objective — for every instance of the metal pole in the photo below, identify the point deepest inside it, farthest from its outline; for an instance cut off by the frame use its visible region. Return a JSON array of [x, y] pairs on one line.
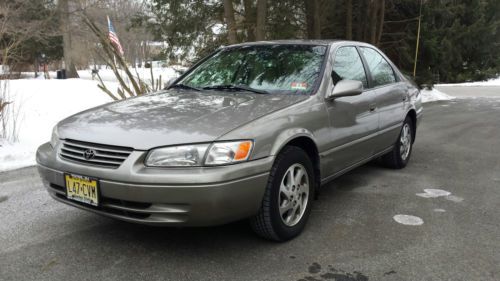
[[418, 40]]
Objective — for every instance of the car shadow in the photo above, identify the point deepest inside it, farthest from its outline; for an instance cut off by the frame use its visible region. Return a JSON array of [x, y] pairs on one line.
[[228, 235], [127, 251]]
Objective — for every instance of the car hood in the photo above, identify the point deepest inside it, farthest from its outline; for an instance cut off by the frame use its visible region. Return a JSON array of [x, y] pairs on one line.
[[171, 117]]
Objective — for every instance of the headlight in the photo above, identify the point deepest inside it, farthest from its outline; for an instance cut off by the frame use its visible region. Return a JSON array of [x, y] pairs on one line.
[[229, 152], [177, 156], [220, 153], [55, 137]]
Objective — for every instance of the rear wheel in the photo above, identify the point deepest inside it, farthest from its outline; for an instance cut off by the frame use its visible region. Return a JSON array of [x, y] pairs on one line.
[[288, 197], [399, 156]]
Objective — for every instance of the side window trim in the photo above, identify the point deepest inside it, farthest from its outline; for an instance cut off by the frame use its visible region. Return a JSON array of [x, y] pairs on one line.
[[367, 69]]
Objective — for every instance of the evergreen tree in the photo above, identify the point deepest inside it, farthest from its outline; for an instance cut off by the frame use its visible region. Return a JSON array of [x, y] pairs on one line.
[[459, 39]]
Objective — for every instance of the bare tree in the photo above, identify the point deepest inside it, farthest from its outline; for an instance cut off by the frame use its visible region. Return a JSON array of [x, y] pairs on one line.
[[15, 29]]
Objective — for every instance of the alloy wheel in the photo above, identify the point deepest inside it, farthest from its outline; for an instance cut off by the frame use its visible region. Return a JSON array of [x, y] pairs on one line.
[[293, 194]]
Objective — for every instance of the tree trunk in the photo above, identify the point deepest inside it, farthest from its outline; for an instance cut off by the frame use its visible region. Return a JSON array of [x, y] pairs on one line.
[[231, 24], [360, 20], [381, 18], [69, 63], [249, 19], [367, 20], [312, 19], [348, 22], [260, 28], [374, 4]]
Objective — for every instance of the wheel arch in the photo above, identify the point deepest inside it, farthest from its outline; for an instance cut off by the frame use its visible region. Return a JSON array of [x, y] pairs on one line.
[[413, 116], [305, 140]]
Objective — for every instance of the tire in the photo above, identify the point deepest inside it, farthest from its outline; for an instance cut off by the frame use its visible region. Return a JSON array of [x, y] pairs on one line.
[[399, 156], [273, 222]]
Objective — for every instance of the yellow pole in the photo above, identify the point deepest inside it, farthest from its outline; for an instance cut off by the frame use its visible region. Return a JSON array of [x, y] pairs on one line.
[[418, 40]]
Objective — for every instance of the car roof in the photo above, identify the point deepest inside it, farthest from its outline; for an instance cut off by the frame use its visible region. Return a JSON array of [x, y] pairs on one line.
[[324, 42]]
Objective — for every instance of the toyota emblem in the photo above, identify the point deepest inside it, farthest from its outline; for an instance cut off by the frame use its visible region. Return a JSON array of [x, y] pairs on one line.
[[89, 154]]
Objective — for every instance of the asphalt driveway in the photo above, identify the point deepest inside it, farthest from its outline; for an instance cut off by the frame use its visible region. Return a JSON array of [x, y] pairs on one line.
[[351, 234]]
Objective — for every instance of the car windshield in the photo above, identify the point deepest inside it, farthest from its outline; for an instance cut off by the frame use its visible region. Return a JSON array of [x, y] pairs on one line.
[[277, 69]]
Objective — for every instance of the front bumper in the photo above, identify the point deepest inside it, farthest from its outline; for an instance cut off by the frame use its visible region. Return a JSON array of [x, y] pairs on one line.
[[159, 196]]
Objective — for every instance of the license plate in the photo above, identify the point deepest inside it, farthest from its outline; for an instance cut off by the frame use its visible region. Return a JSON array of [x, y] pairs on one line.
[[82, 189]]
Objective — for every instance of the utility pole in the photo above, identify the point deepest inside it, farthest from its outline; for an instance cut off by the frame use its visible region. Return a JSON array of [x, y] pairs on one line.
[[418, 40]]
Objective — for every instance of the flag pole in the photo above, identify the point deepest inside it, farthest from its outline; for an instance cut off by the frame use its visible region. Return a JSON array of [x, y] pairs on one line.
[[109, 27], [418, 40]]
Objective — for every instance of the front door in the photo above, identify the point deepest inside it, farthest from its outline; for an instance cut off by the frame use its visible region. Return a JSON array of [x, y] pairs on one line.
[[353, 120]]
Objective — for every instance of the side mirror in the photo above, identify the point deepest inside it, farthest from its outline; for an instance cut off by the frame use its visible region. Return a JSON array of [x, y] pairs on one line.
[[346, 88]]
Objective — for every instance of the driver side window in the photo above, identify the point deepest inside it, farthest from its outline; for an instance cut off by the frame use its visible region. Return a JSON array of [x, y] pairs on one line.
[[348, 65]]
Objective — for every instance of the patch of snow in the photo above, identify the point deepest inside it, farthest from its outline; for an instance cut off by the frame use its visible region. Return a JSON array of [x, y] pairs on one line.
[[433, 193], [434, 95], [15, 156], [408, 220], [454, 198], [439, 210], [491, 82]]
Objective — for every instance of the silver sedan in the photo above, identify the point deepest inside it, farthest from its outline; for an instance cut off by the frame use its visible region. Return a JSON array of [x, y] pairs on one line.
[[252, 131]]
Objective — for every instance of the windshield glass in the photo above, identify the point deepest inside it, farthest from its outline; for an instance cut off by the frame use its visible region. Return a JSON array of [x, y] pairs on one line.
[[282, 69]]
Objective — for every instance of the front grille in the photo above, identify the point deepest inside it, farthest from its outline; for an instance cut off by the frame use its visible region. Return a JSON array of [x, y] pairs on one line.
[[101, 155]]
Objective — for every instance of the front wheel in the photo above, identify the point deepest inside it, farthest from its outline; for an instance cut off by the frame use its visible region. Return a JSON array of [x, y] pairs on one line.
[[399, 156], [288, 197]]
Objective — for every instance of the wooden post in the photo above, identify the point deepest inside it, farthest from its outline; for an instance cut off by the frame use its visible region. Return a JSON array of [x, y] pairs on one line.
[[418, 40]]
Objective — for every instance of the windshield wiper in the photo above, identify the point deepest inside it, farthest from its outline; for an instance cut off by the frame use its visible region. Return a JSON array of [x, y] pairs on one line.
[[184, 86], [235, 88]]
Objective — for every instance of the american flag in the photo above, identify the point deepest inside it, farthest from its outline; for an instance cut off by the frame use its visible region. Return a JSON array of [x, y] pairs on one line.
[[114, 38]]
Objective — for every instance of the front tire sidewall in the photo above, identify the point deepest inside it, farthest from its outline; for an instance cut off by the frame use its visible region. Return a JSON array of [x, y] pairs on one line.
[[294, 156]]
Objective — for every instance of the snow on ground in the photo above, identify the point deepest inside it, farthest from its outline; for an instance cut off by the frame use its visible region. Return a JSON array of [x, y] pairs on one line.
[[166, 74], [491, 82], [42, 104], [434, 95], [107, 74]]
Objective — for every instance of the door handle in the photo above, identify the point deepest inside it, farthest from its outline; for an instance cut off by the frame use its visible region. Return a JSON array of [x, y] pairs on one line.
[[373, 107]]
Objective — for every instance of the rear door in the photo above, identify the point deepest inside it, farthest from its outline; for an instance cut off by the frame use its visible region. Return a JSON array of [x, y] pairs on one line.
[[353, 120], [390, 94]]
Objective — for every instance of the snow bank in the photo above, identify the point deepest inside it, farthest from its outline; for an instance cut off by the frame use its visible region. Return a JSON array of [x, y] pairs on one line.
[[166, 74], [491, 82], [42, 104], [434, 95]]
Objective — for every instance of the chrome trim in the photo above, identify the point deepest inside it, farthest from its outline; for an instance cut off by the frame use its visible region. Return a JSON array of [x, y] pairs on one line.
[[107, 156]]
